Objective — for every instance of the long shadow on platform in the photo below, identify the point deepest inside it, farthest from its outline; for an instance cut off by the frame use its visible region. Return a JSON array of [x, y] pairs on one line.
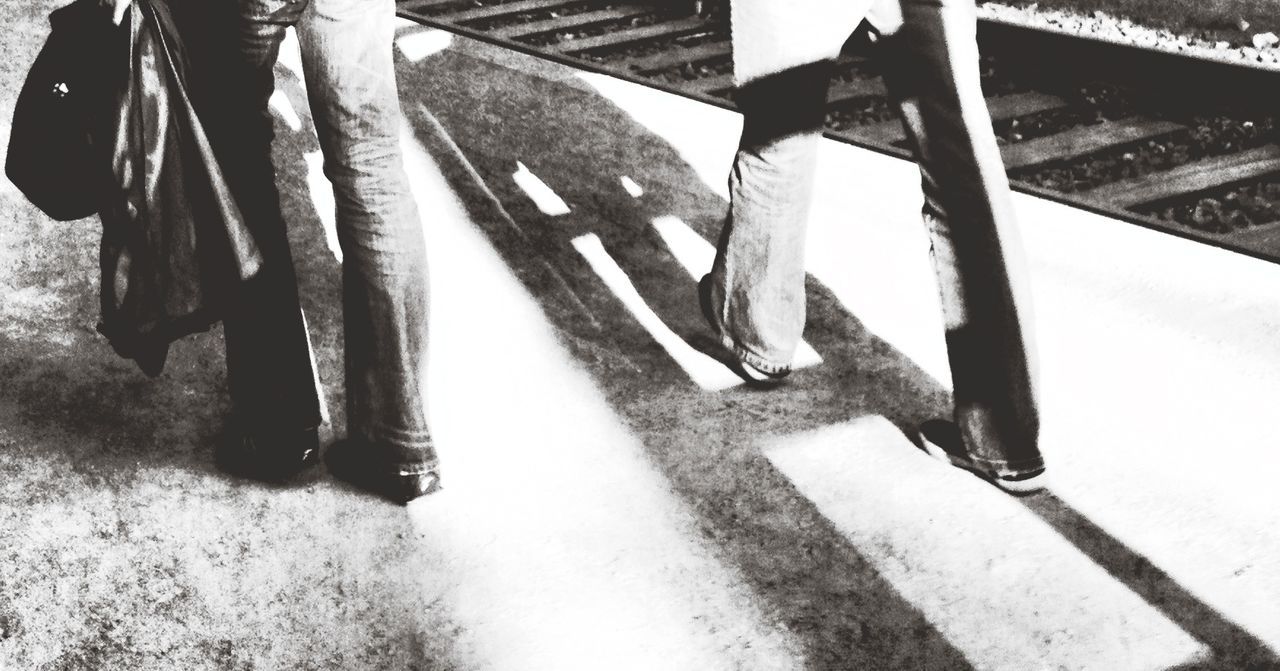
[[66, 399], [708, 445], [828, 595], [826, 592], [1232, 647]]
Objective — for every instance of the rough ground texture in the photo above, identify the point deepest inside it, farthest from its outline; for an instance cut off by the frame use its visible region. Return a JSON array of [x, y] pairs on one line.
[[610, 501], [122, 546], [1224, 17], [1242, 32]]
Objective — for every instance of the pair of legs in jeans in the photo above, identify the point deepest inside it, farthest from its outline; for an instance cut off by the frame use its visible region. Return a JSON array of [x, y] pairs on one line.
[[349, 72], [755, 291]]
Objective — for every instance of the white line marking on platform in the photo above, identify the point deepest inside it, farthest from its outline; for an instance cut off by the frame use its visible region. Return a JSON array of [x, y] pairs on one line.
[[548, 201], [322, 197], [419, 45], [702, 369], [631, 186], [283, 108]]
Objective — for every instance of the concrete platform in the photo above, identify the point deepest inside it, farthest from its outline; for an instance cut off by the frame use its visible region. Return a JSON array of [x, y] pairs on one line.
[[614, 500]]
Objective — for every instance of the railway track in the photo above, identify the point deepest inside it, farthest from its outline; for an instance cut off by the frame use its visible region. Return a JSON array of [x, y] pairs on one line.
[[1184, 145]]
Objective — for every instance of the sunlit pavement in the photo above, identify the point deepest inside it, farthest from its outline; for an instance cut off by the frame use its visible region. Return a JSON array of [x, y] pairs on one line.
[[613, 498]]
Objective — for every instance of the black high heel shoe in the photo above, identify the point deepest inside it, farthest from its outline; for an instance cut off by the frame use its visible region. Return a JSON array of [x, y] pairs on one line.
[[274, 455]]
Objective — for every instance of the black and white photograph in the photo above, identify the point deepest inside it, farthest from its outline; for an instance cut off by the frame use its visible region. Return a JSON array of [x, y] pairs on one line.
[[665, 335]]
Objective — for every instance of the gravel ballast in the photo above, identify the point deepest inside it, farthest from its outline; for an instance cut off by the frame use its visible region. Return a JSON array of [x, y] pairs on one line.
[[1262, 49]]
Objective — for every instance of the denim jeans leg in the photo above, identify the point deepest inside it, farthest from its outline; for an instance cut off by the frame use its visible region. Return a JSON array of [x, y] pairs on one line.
[[270, 366], [350, 77], [757, 279], [932, 72]]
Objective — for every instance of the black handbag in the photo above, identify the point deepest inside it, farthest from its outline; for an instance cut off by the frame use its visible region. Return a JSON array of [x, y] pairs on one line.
[[52, 158]]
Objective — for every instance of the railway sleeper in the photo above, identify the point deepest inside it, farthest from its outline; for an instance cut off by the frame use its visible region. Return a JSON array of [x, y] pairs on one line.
[[1084, 140], [505, 9], [570, 22], [633, 35], [1203, 175]]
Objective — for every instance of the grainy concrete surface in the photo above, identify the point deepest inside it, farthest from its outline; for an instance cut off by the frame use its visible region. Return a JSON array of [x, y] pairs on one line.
[[612, 501]]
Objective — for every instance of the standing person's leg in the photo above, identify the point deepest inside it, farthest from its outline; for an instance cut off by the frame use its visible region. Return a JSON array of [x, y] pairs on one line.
[[932, 70], [270, 366], [754, 295], [350, 76]]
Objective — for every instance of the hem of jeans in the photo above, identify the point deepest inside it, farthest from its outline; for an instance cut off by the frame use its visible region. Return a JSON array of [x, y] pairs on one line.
[[755, 360], [403, 442], [1002, 468], [742, 353]]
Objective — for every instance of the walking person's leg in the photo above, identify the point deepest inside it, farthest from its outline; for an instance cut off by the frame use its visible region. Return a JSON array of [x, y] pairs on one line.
[[754, 296], [270, 368], [932, 71], [349, 69]]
